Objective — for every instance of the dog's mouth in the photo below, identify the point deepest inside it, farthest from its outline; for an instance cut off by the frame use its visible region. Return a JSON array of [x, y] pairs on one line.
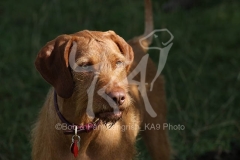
[[110, 116]]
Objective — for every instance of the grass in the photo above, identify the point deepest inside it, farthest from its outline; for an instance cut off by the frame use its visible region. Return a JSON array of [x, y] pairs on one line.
[[202, 71]]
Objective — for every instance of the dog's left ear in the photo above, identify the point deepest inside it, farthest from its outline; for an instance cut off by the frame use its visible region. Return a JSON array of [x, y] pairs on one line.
[[52, 63], [124, 47]]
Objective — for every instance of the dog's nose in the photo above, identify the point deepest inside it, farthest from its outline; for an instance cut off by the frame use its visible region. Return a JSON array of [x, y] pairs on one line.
[[118, 96]]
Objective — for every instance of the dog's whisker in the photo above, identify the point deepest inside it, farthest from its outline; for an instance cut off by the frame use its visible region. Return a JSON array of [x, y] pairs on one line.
[[97, 119], [110, 126]]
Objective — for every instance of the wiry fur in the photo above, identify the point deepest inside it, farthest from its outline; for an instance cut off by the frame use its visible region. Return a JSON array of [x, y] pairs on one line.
[[110, 141]]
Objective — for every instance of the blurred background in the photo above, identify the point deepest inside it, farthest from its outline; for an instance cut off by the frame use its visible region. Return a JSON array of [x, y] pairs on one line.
[[202, 72]]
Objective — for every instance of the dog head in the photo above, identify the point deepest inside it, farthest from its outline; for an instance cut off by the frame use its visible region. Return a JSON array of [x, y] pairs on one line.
[[90, 68]]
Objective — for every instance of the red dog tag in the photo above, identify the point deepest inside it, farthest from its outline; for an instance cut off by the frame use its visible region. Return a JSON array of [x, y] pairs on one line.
[[74, 148], [75, 145]]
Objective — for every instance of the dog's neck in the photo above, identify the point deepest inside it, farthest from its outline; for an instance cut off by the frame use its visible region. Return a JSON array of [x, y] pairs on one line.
[[71, 126]]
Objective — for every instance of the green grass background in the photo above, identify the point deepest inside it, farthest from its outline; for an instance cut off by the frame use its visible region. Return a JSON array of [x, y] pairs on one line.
[[202, 71]]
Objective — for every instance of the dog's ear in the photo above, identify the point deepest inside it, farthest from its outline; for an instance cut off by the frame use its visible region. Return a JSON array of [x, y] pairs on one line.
[[124, 47], [52, 63]]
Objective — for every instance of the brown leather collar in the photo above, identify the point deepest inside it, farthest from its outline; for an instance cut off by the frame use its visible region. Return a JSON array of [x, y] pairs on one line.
[[69, 128]]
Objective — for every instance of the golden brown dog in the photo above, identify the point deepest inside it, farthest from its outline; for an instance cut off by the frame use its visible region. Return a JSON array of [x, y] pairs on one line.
[[92, 101]]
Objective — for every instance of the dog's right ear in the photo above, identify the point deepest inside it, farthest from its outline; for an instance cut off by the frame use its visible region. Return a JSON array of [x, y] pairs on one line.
[[52, 63]]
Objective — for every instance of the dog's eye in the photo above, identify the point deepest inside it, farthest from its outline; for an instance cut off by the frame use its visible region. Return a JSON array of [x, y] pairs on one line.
[[84, 65], [119, 63]]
